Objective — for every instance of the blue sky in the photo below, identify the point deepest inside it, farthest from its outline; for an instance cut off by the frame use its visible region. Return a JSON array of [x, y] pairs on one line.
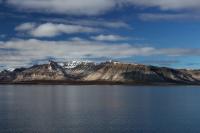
[[156, 32]]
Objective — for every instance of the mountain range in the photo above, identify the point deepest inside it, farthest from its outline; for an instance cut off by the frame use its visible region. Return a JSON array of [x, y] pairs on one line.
[[110, 72]]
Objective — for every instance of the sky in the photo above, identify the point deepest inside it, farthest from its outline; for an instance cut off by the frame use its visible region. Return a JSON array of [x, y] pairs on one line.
[[153, 32]]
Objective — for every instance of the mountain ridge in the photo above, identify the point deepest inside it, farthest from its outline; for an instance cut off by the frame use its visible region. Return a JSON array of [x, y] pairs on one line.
[[110, 72]]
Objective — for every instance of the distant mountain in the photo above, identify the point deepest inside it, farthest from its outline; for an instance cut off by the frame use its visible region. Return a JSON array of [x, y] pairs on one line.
[[102, 73]]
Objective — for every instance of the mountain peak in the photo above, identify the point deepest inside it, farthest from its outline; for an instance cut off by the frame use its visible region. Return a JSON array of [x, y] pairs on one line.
[[53, 65]]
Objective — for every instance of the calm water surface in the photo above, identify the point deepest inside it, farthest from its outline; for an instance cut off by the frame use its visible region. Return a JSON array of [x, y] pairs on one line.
[[99, 109]]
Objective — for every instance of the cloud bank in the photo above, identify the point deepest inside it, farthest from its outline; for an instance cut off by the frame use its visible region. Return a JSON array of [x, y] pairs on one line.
[[17, 53], [90, 22], [88, 7], [52, 30], [168, 4], [96, 7]]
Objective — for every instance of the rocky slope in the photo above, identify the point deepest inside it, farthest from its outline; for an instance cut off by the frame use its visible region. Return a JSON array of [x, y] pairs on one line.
[[107, 72]]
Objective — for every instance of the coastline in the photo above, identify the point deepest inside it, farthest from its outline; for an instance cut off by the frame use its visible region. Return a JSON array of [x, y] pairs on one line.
[[61, 82]]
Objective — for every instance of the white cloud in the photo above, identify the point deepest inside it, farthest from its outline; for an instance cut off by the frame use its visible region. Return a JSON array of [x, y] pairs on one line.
[[89, 22], [77, 48], [167, 4], [102, 23], [167, 16], [88, 7], [25, 27], [95, 7], [51, 29], [109, 38], [21, 52], [16, 53]]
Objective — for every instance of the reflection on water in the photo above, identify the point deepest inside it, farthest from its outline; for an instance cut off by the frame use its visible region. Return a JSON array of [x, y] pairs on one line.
[[99, 109]]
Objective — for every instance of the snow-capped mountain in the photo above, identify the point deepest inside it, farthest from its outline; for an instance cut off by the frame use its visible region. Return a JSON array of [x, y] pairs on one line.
[[105, 72], [73, 64]]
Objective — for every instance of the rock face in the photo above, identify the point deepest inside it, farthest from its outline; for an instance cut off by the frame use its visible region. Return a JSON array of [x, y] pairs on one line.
[[119, 72], [111, 72], [51, 71]]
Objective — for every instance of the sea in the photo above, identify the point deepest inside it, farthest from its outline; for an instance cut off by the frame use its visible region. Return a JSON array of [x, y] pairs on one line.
[[99, 109]]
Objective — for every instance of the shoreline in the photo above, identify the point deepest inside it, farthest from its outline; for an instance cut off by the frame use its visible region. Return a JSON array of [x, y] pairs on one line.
[[46, 82]]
